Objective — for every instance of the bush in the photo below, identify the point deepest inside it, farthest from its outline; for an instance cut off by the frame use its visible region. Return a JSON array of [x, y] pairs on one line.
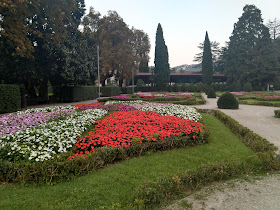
[[248, 87], [191, 88], [169, 88], [126, 90], [140, 83], [227, 101], [110, 91], [184, 87], [176, 88], [145, 89], [211, 93], [75, 93], [10, 100], [277, 113]]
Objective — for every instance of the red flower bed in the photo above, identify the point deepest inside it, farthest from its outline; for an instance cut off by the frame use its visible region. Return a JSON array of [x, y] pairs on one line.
[[119, 128], [80, 105]]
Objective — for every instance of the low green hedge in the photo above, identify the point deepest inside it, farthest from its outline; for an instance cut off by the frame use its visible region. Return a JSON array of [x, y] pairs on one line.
[[154, 193], [109, 91], [260, 103], [277, 113], [63, 168], [10, 100], [75, 93]]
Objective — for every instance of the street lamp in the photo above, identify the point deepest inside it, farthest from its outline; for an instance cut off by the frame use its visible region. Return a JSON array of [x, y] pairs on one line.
[[98, 75]]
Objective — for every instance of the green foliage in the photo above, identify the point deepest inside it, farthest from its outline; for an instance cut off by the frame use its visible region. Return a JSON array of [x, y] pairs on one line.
[[126, 90], [170, 88], [277, 113], [211, 93], [10, 100], [250, 55], [207, 62], [248, 87], [140, 83], [162, 68], [184, 87], [63, 168], [75, 93], [176, 88], [110, 91], [191, 87], [227, 101]]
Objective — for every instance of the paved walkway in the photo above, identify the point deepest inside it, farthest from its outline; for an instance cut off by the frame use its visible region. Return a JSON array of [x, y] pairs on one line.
[[259, 119], [263, 193]]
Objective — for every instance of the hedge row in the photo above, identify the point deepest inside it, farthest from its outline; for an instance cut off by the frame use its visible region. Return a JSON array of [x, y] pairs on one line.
[[109, 91], [10, 100], [260, 103], [154, 193], [63, 168], [277, 113], [75, 93]]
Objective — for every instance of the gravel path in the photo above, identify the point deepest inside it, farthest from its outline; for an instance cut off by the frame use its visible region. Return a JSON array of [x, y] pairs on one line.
[[261, 194], [259, 119]]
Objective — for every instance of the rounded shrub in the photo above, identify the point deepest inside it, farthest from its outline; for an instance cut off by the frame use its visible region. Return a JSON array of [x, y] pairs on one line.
[[227, 101], [211, 93], [248, 87]]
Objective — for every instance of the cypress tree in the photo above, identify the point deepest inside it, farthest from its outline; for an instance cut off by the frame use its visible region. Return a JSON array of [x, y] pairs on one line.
[[207, 63], [162, 68]]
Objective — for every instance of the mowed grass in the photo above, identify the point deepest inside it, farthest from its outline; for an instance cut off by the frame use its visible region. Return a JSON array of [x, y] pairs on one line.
[[116, 183]]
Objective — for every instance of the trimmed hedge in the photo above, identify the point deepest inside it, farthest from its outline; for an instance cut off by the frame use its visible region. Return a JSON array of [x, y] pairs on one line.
[[154, 193], [211, 93], [75, 93], [277, 113], [109, 91], [10, 99], [227, 101], [63, 168]]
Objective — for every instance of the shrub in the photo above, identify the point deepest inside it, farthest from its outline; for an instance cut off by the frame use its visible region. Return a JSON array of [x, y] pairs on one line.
[[248, 87], [75, 93], [140, 83], [184, 87], [227, 101], [277, 113], [211, 93], [126, 90], [191, 87], [176, 88], [10, 100], [169, 88], [110, 91]]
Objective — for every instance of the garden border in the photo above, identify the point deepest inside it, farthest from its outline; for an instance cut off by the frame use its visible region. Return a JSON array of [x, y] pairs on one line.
[[154, 193]]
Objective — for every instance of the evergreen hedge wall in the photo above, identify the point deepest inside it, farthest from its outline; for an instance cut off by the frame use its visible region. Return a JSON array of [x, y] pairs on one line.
[[75, 93], [10, 100]]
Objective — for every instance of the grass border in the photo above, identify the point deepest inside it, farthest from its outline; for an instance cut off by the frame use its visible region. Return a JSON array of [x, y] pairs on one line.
[[154, 193], [63, 168]]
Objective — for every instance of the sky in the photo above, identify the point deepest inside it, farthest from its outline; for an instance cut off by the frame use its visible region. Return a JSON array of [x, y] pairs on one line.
[[184, 22]]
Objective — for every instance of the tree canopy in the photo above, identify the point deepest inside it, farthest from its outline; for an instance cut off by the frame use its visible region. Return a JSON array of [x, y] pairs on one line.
[[249, 56]]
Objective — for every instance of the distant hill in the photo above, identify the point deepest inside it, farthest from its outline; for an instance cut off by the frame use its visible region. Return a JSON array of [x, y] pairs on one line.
[[193, 68]]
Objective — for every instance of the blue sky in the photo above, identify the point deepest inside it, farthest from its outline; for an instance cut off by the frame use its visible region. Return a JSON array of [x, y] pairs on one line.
[[184, 22]]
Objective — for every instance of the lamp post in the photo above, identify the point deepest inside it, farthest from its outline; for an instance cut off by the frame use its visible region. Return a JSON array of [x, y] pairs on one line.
[[98, 75], [132, 81]]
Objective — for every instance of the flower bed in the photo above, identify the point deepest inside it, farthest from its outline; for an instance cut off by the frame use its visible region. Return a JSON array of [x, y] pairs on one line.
[[119, 129], [47, 140], [16, 122], [181, 111]]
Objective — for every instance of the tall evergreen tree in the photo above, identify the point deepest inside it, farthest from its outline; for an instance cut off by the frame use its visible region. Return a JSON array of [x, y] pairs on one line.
[[249, 57], [162, 68], [207, 62]]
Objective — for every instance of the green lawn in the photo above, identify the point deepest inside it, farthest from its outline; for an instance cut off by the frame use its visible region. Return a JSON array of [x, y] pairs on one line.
[[116, 183]]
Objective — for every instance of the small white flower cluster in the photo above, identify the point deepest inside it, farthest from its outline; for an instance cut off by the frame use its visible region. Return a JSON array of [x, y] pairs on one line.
[[45, 109], [160, 95], [181, 111], [42, 142], [136, 102]]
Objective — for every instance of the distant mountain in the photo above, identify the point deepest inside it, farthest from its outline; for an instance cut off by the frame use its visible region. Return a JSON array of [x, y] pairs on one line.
[[193, 68]]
